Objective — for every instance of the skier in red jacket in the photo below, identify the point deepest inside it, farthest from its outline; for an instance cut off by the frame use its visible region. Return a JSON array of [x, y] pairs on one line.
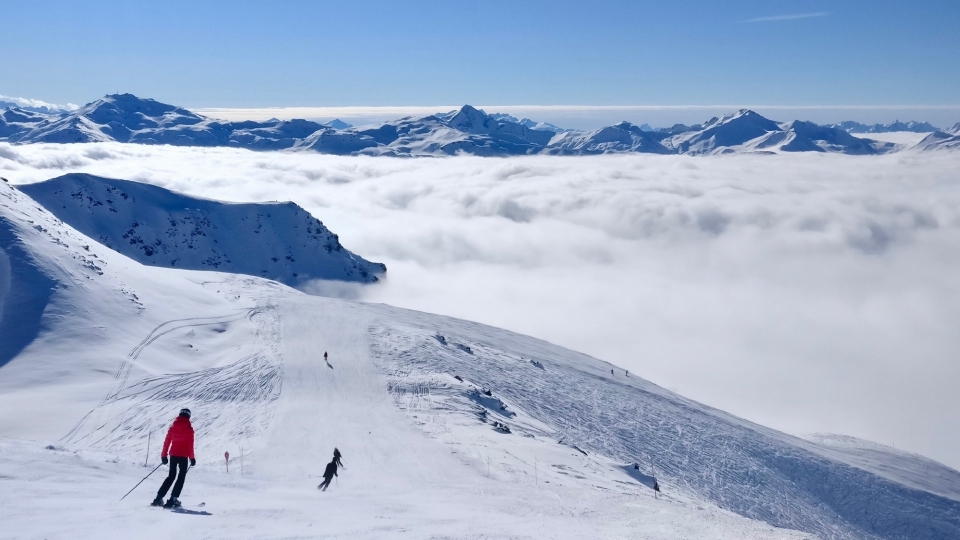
[[179, 446]]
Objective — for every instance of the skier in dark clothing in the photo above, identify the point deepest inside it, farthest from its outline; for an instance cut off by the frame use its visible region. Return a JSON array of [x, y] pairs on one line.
[[328, 474], [179, 446]]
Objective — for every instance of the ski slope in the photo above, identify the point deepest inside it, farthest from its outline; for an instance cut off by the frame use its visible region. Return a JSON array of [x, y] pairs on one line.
[[449, 429]]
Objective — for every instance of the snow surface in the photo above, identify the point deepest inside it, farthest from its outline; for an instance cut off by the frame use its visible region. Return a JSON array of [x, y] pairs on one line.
[[904, 139], [154, 226], [124, 346], [939, 140]]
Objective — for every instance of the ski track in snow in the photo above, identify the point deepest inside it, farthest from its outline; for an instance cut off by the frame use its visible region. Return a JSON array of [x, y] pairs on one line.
[[236, 398], [740, 466]]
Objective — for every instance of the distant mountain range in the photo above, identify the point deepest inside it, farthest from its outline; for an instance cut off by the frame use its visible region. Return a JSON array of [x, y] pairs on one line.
[[130, 119], [856, 127]]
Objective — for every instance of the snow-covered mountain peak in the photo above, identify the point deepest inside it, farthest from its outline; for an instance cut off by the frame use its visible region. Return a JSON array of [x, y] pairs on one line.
[[742, 117], [336, 123], [469, 119], [134, 113], [723, 133]]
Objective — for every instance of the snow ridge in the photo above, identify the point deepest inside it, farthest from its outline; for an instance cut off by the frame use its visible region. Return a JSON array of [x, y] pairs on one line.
[[157, 227]]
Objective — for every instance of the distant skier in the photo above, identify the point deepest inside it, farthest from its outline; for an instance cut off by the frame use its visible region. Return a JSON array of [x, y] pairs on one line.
[[336, 458], [328, 474], [179, 446], [325, 356], [611, 372]]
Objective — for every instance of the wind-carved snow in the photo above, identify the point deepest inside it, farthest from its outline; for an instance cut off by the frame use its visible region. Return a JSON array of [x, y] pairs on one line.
[[157, 227]]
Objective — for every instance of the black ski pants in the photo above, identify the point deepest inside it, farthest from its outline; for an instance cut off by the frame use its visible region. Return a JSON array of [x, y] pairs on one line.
[[175, 463], [326, 482]]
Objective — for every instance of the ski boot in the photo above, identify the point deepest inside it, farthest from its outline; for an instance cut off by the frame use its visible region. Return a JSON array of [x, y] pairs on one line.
[[157, 502], [172, 503]]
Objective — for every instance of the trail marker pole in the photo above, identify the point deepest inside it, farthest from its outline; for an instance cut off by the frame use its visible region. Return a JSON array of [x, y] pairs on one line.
[[147, 458], [226, 459], [653, 472]]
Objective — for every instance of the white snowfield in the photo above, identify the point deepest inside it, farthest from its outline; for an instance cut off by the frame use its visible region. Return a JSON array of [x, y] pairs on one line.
[[449, 429]]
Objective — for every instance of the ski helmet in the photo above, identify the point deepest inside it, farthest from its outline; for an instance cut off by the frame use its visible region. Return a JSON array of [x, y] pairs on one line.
[[185, 412]]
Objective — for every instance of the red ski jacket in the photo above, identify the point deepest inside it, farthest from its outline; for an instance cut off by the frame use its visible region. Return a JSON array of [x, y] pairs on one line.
[[179, 441]]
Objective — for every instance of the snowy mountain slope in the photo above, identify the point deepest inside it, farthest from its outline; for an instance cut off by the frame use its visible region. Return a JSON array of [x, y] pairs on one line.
[[955, 130], [127, 118], [467, 130], [122, 117], [727, 131], [158, 227], [747, 131], [15, 120], [797, 136], [939, 140], [902, 467], [856, 127], [526, 122], [337, 123], [623, 137], [125, 346], [740, 466], [86, 306]]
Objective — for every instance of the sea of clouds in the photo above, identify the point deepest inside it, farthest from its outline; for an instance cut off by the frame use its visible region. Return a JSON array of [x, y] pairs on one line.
[[806, 292]]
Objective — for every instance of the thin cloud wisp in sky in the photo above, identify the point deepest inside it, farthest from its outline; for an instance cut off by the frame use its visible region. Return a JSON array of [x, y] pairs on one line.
[[792, 17]]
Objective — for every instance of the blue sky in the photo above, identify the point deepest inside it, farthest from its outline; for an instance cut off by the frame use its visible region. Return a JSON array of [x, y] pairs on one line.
[[308, 53]]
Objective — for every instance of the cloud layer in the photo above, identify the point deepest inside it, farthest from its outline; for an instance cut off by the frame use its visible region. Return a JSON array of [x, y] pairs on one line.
[[790, 17], [806, 292]]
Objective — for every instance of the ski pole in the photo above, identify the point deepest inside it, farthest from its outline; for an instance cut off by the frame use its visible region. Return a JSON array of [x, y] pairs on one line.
[[140, 482]]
